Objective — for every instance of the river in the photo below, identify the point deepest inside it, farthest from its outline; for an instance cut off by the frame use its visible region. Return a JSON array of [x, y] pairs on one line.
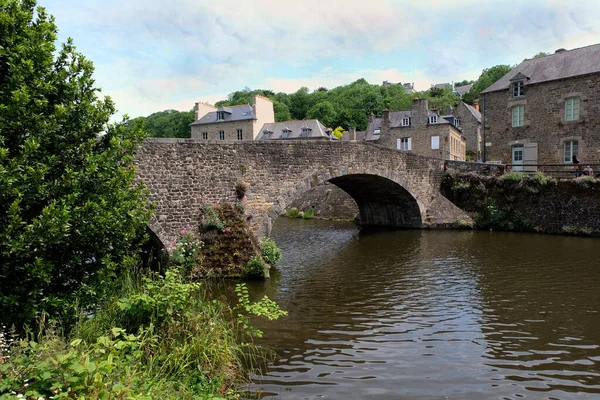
[[431, 315]]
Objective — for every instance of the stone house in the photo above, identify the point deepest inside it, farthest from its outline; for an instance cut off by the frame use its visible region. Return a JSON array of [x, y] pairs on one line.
[[419, 130], [545, 111], [304, 129], [468, 119], [229, 124]]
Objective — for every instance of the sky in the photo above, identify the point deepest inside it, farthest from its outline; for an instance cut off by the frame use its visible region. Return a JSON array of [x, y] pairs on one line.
[[154, 55]]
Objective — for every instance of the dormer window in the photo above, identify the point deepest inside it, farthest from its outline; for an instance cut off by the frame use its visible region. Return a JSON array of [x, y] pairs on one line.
[[457, 122], [266, 134], [305, 131], [220, 115], [518, 88], [433, 119], [377, 131], [406, 121], [285, 133]]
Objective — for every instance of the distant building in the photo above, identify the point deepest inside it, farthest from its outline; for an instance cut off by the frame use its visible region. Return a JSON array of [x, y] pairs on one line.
[[468, 119], [305, 129], [545, 110], [418, 130], [408, 87], [461, 90]]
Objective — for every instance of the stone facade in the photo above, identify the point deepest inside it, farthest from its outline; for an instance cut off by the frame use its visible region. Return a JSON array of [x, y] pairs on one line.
[[470, 126], [544, 121], [439, 140], [391, 188]]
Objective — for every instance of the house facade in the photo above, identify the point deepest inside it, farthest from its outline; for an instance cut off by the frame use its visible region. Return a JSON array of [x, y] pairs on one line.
[[545, 111], [468, 119], [305, 129], [419, 130], [230, 124]]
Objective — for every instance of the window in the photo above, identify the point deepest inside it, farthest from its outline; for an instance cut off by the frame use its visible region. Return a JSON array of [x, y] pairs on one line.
[[433, 119], [457, 122], [220, 115], [266, 134], [405, 121], [305, 132], [572, 109], [221, 135], [377, 131], [518, 115], [205, 135], [285, 133], [239, 134], [518, 87], [571, 148], [403, 144], [435, 143]]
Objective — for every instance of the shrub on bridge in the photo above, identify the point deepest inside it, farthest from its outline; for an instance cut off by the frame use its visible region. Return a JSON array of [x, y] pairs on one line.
[[71, 211]]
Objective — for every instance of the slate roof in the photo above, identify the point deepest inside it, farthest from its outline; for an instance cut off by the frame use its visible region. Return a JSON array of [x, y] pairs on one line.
[[317, 130], [375, 124], [441, 85], [233, 113], [473, 111], [462, 89], [565, 64]]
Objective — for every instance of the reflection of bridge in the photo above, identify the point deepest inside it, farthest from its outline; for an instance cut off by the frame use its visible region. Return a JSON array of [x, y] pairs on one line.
[[391, 188]]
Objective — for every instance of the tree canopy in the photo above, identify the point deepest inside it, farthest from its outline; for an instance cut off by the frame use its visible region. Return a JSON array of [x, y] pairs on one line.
[[487, 78], [71, 210], [168, 123]]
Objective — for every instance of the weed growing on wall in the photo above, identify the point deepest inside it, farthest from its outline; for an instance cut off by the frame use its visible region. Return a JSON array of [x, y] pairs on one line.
[[271, 253], [292, 213], [209, 219], [309, 214]]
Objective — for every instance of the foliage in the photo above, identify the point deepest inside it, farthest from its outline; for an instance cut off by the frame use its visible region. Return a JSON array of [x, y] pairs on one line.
[[493, 216], [338, 132], [292, 212], [542, 178], [486, 79], [265, 307], [513, 176], [309, 214], [186, 252], [71, 210], [209, 219], [324, 112], [159, 337], [166, 124], [256, 268], [541, 54], [271, 253]]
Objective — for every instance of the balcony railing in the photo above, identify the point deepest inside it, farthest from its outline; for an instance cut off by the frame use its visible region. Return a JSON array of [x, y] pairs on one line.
[[558, 170]]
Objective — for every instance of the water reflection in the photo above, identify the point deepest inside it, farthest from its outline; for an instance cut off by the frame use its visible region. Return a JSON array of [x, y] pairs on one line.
[[431, 314]]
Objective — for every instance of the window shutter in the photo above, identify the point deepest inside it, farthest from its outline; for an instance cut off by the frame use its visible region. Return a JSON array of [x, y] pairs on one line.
[[435, 143], [398, 144], [409, 144]]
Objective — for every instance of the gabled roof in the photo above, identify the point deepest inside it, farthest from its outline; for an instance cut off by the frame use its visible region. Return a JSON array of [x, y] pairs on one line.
[[473, 111], [561, 65], [373, 125], [462, 89], [233, 113], [317, 130]]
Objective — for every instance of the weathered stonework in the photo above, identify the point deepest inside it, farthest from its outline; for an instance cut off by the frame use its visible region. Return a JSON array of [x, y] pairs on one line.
[[471, 129], [544, 106], [390, 187]]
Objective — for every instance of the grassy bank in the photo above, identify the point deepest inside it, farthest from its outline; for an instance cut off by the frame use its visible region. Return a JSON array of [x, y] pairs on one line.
[[156, 337]]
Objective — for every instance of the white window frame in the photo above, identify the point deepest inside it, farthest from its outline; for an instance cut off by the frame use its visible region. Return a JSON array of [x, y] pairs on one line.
[[404, 144], [240, 135], [518, 111], [570, 148], [435, 143], [572, 108], [220, 115], [221, 135], [406, 121], [518, 88], [205, 135], [433, 119], [457, 122], [377, 131]]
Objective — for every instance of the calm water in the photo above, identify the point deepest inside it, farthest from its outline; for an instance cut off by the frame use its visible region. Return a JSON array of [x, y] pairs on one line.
[[432, 315]]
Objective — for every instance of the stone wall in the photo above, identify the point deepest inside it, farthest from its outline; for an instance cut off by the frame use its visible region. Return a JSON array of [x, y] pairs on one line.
[[544, 120], [328, 201], [532, 204], [390, 187]]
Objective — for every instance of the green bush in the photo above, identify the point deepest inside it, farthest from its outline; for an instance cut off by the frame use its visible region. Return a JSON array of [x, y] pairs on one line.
[[71, 208], [256, 268], [209, 219], [513, 176], [292, 212], [309, 214], [542, 178], [271, 253], [186, 252]]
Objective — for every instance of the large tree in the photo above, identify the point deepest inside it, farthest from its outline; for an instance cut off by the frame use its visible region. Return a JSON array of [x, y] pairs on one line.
[[168, 123], [70, 210], [487, 78]]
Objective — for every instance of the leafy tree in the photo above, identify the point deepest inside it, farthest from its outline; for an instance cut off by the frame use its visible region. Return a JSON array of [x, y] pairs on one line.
[[71, 210], [488, 77], [541, 54], [282, 111], [324, 112], [299, 103], [338, 132], [168, 123], [463, 83]]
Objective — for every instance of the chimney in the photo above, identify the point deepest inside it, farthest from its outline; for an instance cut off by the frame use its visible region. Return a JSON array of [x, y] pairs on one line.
[[371, 116], [386, 117], [561, 50], [352, 133], [476, 105]]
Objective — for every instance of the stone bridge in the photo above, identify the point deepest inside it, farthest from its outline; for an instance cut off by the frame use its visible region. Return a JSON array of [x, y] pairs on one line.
[[391, 188]]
